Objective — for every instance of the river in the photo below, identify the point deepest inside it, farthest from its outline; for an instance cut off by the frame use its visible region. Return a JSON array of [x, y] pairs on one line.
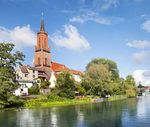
[[125, 113]]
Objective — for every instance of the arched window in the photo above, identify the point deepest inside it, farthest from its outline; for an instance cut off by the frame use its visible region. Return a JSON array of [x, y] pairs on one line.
[[45, 61], [38, 61], [45, 43], [39, 42]]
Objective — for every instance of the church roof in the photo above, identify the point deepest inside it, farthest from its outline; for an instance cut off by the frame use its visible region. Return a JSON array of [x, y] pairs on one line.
[[57, 67], [76, 72], [42, 25]]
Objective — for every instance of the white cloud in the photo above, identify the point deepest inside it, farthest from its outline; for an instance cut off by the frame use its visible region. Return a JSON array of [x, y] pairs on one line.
[[141, 57], [139, 44], [109, 3], [146, 25], [70, 38], [20, 36], [142, 76], [95, 17], [84, 18]]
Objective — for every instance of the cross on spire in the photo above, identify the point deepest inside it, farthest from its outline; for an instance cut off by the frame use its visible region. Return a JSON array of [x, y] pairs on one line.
[[42, 24]]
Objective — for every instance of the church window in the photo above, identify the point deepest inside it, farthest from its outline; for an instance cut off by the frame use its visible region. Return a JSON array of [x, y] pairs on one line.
[[39, 42], [45, 61], [45, 43], [38, 61]]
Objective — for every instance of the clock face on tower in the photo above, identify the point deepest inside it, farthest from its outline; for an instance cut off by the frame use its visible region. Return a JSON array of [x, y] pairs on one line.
[[42, 50]]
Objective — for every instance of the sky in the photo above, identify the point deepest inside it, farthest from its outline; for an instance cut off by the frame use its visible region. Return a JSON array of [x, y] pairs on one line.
[[81, 30]]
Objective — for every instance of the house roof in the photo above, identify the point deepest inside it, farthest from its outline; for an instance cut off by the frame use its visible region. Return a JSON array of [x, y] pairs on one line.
[[76, 72], [24, 69], [57, 67]]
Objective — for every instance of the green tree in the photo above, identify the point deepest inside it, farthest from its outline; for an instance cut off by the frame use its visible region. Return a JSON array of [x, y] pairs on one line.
[[8, 62], [130, 86], [97, 80], [44, 84], [34, 90], [65, 85], [130, 82], [112, 66], [80, 89]]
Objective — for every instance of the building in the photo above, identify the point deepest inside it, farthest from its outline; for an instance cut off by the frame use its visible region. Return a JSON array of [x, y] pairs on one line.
[[43, 67], [57, 68], [26, 76]]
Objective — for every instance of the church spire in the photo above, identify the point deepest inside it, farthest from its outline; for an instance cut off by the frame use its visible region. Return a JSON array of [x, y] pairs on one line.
[[42, 24]]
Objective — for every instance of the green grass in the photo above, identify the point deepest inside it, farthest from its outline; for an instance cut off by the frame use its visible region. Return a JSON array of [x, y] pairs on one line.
[[48, 102]]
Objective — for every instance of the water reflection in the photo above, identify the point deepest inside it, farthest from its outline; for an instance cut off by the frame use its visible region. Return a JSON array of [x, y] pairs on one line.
[[127, 113]]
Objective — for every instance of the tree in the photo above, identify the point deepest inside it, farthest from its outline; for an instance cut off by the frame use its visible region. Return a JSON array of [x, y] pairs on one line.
[[8, 62], [34, 89], [130, 82], [44, 84], [97, 79], [80, 89], [130, 86], [65, 85], [112, 66]]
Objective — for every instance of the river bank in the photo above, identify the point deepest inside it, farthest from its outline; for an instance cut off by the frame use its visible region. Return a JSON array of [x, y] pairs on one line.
[[57, 101]]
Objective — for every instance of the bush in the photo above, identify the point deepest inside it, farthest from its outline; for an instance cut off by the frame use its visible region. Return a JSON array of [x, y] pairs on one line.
[[80, 89], [53, 97], [34, 90], [131, 92], [14, 101], [66, 85]]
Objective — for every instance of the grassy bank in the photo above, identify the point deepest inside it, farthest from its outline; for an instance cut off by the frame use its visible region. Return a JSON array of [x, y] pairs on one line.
[[44, 101]]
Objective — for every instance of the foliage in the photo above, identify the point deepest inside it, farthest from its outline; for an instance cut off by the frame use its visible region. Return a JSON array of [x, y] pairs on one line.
[[80, 89], [44, 84], [8, 62], [65, 85], [102, 78], [130, 86], [53, 100], [131, 92], [53, 97], [97, 80], [112, 66], [34, 90], [140, 86]]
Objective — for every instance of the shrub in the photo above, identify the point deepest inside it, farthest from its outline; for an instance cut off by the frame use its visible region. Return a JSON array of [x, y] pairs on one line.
[[34, 90], [131, 92]]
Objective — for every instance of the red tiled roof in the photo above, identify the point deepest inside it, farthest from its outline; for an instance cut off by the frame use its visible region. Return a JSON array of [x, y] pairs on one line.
[[147, 87], [57, 67], [76, 72]]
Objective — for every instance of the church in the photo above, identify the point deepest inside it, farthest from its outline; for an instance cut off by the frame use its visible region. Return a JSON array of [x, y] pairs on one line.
[[43, 67]]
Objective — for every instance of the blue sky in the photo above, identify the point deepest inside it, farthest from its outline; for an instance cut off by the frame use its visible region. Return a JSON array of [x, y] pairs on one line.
[[80, 30]]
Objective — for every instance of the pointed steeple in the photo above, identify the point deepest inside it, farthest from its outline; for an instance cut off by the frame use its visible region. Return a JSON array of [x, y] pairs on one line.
[[42, 24]]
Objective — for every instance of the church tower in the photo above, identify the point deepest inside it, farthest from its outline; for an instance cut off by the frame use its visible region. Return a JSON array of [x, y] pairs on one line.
[[42, 51]]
